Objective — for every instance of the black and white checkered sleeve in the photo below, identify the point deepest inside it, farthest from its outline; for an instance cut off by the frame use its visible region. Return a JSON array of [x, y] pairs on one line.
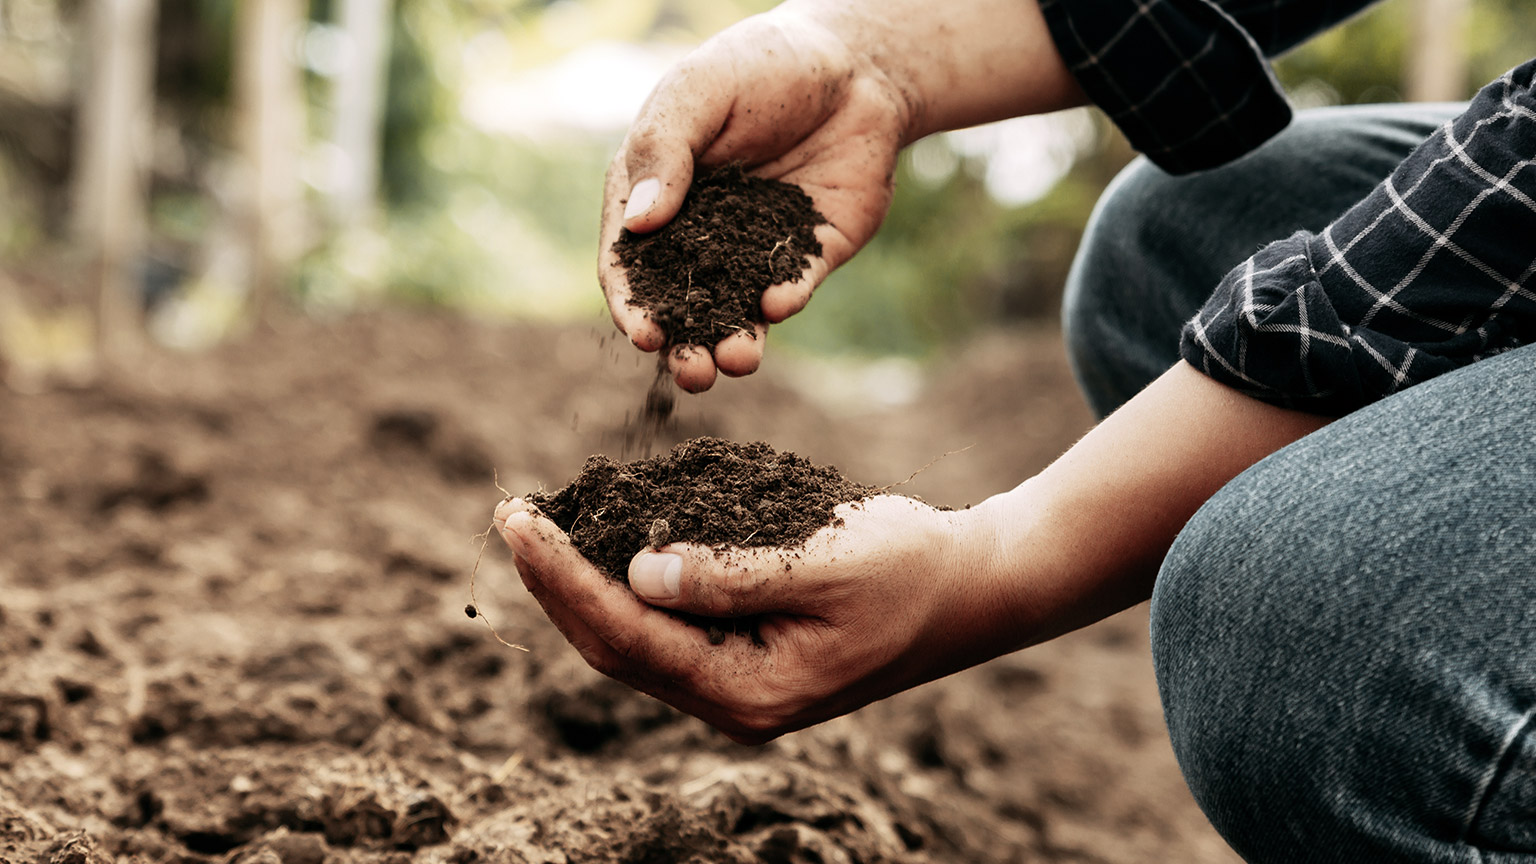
[[1186, 80], [1432, 271]]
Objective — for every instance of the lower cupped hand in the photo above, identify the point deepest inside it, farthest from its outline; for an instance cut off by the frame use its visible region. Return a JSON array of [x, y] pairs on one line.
[[890, 597]]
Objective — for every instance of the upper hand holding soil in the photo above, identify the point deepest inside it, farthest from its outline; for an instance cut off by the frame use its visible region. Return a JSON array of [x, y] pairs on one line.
[[821, 94], [862, 610], [789, 100]]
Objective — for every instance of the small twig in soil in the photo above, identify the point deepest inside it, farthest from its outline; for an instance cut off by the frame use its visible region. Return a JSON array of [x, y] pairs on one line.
[[474, 602], [507, 768], [914, 474], [776, 247]]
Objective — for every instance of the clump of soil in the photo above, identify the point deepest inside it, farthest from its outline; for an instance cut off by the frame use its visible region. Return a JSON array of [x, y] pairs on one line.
[[703, 274], [705, 490]]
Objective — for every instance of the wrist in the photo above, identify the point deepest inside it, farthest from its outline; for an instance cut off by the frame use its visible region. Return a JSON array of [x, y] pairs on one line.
[[952, 65], [975, 605], [1047, 567], [1007, 561]]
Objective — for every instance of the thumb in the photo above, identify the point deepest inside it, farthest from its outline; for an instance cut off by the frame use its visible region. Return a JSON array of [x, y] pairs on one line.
[[661, 170], [680, 119], [692, 579]]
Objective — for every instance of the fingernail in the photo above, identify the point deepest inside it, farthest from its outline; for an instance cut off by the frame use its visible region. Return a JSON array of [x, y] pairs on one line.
[[504, 509], [641, 197], [656, 575], [510, 528]]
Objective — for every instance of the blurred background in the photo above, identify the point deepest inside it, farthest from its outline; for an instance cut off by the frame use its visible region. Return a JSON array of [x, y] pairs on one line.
[[172, 171]]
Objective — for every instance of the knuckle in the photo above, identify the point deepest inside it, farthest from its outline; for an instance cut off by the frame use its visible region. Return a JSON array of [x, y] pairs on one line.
[[713, 599], [710, 597], [739, 583], [617, 170], [647, 145]]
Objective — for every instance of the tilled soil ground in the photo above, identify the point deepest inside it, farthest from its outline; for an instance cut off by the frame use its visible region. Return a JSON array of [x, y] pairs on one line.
[[232, 626]]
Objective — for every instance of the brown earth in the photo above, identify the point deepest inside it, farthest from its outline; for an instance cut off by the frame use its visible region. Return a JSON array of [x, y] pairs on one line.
[[232, 627], [707, 490], [703, 274]]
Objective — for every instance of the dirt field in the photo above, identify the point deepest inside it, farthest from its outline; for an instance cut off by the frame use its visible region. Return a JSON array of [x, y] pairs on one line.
[[232, 627]]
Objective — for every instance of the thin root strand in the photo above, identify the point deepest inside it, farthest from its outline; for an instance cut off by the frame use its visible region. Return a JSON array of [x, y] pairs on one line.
[[913, 475], [473, 608]]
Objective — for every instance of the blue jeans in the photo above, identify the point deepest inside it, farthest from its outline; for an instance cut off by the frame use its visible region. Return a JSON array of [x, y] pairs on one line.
[[1345, 635]]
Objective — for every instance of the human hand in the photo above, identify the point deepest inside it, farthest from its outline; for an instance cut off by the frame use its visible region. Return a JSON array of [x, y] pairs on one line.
[[822, 94], [792, 101], [889, 599]]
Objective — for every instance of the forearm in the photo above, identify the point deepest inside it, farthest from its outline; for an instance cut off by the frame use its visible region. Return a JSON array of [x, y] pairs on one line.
[[957, 64], [1085, 538]]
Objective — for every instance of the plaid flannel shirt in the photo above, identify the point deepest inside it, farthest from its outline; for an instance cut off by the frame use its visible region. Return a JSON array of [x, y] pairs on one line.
[[1433, 270]]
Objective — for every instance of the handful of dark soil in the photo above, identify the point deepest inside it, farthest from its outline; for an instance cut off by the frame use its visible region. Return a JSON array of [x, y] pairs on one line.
[[705, 490], [703, 274]]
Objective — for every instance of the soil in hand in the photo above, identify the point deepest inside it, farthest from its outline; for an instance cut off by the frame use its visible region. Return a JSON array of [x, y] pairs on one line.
[[705, 490], [703, 274]]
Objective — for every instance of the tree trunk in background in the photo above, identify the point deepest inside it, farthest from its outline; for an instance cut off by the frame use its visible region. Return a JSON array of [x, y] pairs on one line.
[[110, 184], [1437, 55], [270, 132], [359, 96]]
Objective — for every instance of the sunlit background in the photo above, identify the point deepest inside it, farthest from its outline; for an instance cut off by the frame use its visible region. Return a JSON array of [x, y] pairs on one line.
[[173, 170]]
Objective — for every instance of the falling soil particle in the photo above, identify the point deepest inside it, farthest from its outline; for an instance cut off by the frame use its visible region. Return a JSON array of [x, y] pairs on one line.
[[705, 490], [655, 412], [703, 274]]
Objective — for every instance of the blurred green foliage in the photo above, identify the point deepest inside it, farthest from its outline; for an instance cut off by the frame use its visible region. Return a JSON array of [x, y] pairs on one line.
[[483, 221], [1364, 59], [502, 223], [416, 102]]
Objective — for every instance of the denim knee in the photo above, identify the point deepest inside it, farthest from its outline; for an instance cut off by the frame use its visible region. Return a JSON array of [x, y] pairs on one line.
[[1342, 641], [1119, 333], [1259, 716], [1226, 722]]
